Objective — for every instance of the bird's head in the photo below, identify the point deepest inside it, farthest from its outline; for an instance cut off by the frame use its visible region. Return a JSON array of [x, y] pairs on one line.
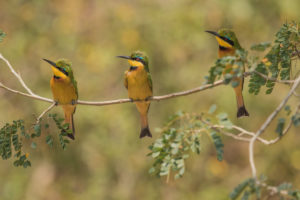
[[137, 59], [61, 69], [226, 38]]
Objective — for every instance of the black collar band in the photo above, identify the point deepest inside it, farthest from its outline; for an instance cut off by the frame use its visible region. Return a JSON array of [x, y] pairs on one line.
[[223, 48], [56, 77], [132, 68]]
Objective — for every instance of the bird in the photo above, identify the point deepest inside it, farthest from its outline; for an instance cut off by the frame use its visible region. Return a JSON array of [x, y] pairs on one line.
[[64, 90], [228, 44], [138, 82]]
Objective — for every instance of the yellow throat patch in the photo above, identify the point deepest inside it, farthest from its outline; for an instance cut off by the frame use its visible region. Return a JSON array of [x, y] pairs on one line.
[[223, 43], [59, 73], [135, 63]]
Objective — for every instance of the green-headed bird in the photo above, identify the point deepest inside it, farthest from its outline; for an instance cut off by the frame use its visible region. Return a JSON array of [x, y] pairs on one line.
[[228, 43], [64, 90], [139, 85]]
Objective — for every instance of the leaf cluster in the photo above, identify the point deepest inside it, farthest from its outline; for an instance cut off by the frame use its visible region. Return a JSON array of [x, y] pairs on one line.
[[277, 63], [223, 65], [181, 136], [11, 143], [250, 187]]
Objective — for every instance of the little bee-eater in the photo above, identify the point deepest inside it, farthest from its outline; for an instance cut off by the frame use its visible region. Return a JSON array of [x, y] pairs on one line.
[[228, 43], [64, 90], [139, 85]]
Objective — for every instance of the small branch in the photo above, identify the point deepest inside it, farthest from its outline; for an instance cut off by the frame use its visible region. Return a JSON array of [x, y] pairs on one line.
[[16, 75], [239, 136], [272, 189], [26, 95], [273, 79], [296, 94], [44, 112], [266, 124]]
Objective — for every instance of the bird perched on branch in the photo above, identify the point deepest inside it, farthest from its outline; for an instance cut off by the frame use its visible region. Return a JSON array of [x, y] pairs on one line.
[[139, 85], [64, 90], [228, 43]]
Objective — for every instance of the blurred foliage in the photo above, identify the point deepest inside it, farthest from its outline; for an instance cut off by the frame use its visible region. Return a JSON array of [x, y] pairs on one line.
[[2, 35], [250, 187], [11, 138], [181, 136], [11, 141], [278, 61], [107, 160]]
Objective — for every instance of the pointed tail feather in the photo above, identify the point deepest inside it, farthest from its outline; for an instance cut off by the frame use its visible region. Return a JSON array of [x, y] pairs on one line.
[[145, 132], [242, 112], [240, 101], [69, 112], [72, 135]]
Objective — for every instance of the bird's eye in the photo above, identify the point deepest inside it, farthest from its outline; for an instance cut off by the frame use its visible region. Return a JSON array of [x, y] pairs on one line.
[[227, 37], [138, 59]]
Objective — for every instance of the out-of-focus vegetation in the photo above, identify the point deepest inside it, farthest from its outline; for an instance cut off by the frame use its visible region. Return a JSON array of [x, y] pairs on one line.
[[108, 160]]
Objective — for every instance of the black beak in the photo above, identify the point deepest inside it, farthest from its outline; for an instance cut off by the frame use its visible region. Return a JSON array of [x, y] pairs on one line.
[[51, 63], [221, 37], [125, 57], [214, 33]]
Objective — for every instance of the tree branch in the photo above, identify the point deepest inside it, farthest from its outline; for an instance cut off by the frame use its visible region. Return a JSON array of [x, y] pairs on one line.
[[16, 75], [266, 124], [44, 112], [30, 94]]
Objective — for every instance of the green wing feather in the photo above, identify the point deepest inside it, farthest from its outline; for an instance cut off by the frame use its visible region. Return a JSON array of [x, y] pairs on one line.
[[74, 82], [150, 81], [125, 80]]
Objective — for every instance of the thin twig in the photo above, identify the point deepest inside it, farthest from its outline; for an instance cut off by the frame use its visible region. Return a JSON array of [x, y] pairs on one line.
[[273, 189], [273, 79], [26, 95], [16, 75], [266, 124], [44, 112]]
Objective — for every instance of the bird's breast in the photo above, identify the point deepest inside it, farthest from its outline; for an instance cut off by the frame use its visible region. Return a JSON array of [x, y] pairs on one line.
[[138, 85], [63, 92]]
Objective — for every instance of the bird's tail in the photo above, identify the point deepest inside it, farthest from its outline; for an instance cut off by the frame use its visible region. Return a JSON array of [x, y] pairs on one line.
[[240, 103], [145, 132], [145, 128], [242, 112], [69, 112]]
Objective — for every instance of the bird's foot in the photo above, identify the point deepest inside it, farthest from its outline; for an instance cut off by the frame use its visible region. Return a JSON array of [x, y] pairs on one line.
[[148, 98], [73, 102], [131, 100], [56, 103]]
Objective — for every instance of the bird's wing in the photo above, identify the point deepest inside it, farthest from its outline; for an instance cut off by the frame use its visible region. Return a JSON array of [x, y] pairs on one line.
[[125, 80], [74, 82], [149, 80]]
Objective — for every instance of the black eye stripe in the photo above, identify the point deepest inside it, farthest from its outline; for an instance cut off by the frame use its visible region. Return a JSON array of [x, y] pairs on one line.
[[227, 40], [64, 71], [140, 60]]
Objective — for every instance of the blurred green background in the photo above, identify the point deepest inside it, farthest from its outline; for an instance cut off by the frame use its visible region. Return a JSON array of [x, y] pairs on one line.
[[108, 160]]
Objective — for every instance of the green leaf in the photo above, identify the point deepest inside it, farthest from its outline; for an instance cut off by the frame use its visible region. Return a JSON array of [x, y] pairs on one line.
[[49, 140], [37, 130], [218, 144], [2, 35], [261, 46], [296, 119], [234, 84], [212, 109], [33, 145], [239, 189], [288, 110], [151, 170], [280, 126], [246, 195]]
